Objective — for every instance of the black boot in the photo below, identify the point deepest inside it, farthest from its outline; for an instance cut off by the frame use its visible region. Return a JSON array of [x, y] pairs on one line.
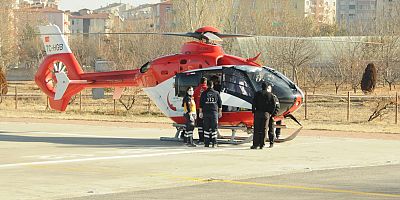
[[214, 143], [271, 145]]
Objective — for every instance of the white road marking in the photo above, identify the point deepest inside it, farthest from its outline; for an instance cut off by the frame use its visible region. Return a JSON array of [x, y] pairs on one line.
[[80, 135], [154, 152], [116, 157]]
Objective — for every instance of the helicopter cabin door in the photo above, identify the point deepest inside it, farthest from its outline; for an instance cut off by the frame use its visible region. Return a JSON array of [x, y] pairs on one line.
[[238, 86], [185, 80]]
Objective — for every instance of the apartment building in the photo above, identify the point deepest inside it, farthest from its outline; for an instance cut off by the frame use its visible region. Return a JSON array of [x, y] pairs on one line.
[[87, 21], [49, 15], [153, 16], [356, 15], [366, 16], [117, 9]]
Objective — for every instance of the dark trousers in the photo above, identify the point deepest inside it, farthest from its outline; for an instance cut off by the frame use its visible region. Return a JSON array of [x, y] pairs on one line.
[[271, 126], [261, 120], [210, 121], [200, 128], [188, 130], [278, 130]]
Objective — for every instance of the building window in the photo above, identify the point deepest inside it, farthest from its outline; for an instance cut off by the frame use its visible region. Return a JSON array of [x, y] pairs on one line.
[[352, 6]]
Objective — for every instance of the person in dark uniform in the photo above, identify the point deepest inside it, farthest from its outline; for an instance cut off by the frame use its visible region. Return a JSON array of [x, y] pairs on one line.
[[197, 93], [189, 108], [217, 84], [210, 110], [262, 107], [271, 121], [278, 130]]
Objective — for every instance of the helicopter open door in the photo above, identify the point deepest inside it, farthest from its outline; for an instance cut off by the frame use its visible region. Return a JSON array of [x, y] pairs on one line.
[[185, 80], [234, 85]]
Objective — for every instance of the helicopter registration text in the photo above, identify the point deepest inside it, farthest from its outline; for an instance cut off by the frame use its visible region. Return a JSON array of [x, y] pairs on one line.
[[54, 47]]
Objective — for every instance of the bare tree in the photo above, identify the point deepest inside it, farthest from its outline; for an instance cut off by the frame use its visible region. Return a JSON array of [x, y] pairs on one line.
[[193, 14], [348, 62], [390, 56], [281, 53], [85, 48], [337, 73], [3, 83], [316, 77], [29, 44], [380, 108], [7, 41], [297, 53]]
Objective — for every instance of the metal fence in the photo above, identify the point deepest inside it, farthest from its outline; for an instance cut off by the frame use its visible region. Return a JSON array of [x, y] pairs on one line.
[[350, 108], [16, 99], [335, 108]]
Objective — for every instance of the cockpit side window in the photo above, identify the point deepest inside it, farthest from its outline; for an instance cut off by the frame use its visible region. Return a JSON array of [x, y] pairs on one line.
[[236, 82]]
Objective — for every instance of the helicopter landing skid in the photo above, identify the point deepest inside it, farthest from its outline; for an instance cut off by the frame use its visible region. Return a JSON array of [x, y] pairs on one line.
[[290, 137], [293, 135], [233, 139], [177, 137]]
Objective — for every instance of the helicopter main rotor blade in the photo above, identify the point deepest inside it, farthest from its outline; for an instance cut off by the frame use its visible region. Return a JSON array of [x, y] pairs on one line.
[[328, 39], [223, 35], [218, 36]]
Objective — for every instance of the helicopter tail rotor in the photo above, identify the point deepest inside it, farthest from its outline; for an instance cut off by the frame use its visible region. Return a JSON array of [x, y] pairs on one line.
[[57, 68], [60, 76]]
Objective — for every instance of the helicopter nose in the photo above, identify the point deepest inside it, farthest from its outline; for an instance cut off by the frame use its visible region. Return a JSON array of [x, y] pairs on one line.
[[298, 97]]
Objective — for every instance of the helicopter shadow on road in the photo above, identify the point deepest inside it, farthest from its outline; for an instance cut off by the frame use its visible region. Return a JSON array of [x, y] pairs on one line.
[[91, 142]]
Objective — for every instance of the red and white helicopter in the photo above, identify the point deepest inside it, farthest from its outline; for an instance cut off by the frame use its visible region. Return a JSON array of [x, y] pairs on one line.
[[165, 79]]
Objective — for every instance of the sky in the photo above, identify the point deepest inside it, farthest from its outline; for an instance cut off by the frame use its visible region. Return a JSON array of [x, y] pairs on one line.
[[75, 5]]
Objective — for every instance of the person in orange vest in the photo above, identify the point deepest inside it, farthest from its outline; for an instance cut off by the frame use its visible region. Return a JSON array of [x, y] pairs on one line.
[[189, 108], [197, 93]]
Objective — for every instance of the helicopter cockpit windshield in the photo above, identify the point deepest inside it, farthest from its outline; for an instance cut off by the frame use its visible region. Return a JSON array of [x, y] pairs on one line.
[[253, 77], [281, 86]]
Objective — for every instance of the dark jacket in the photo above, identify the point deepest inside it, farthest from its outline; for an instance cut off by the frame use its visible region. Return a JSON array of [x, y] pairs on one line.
[[210, 101], [277, 105], [263, 101]]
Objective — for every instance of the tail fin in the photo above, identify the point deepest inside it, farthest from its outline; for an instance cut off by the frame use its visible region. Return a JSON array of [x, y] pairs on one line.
[[57, 68], [53, 40]]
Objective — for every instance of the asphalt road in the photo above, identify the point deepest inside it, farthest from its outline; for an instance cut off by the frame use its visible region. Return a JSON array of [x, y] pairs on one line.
[[55, 160], [379, 182]]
